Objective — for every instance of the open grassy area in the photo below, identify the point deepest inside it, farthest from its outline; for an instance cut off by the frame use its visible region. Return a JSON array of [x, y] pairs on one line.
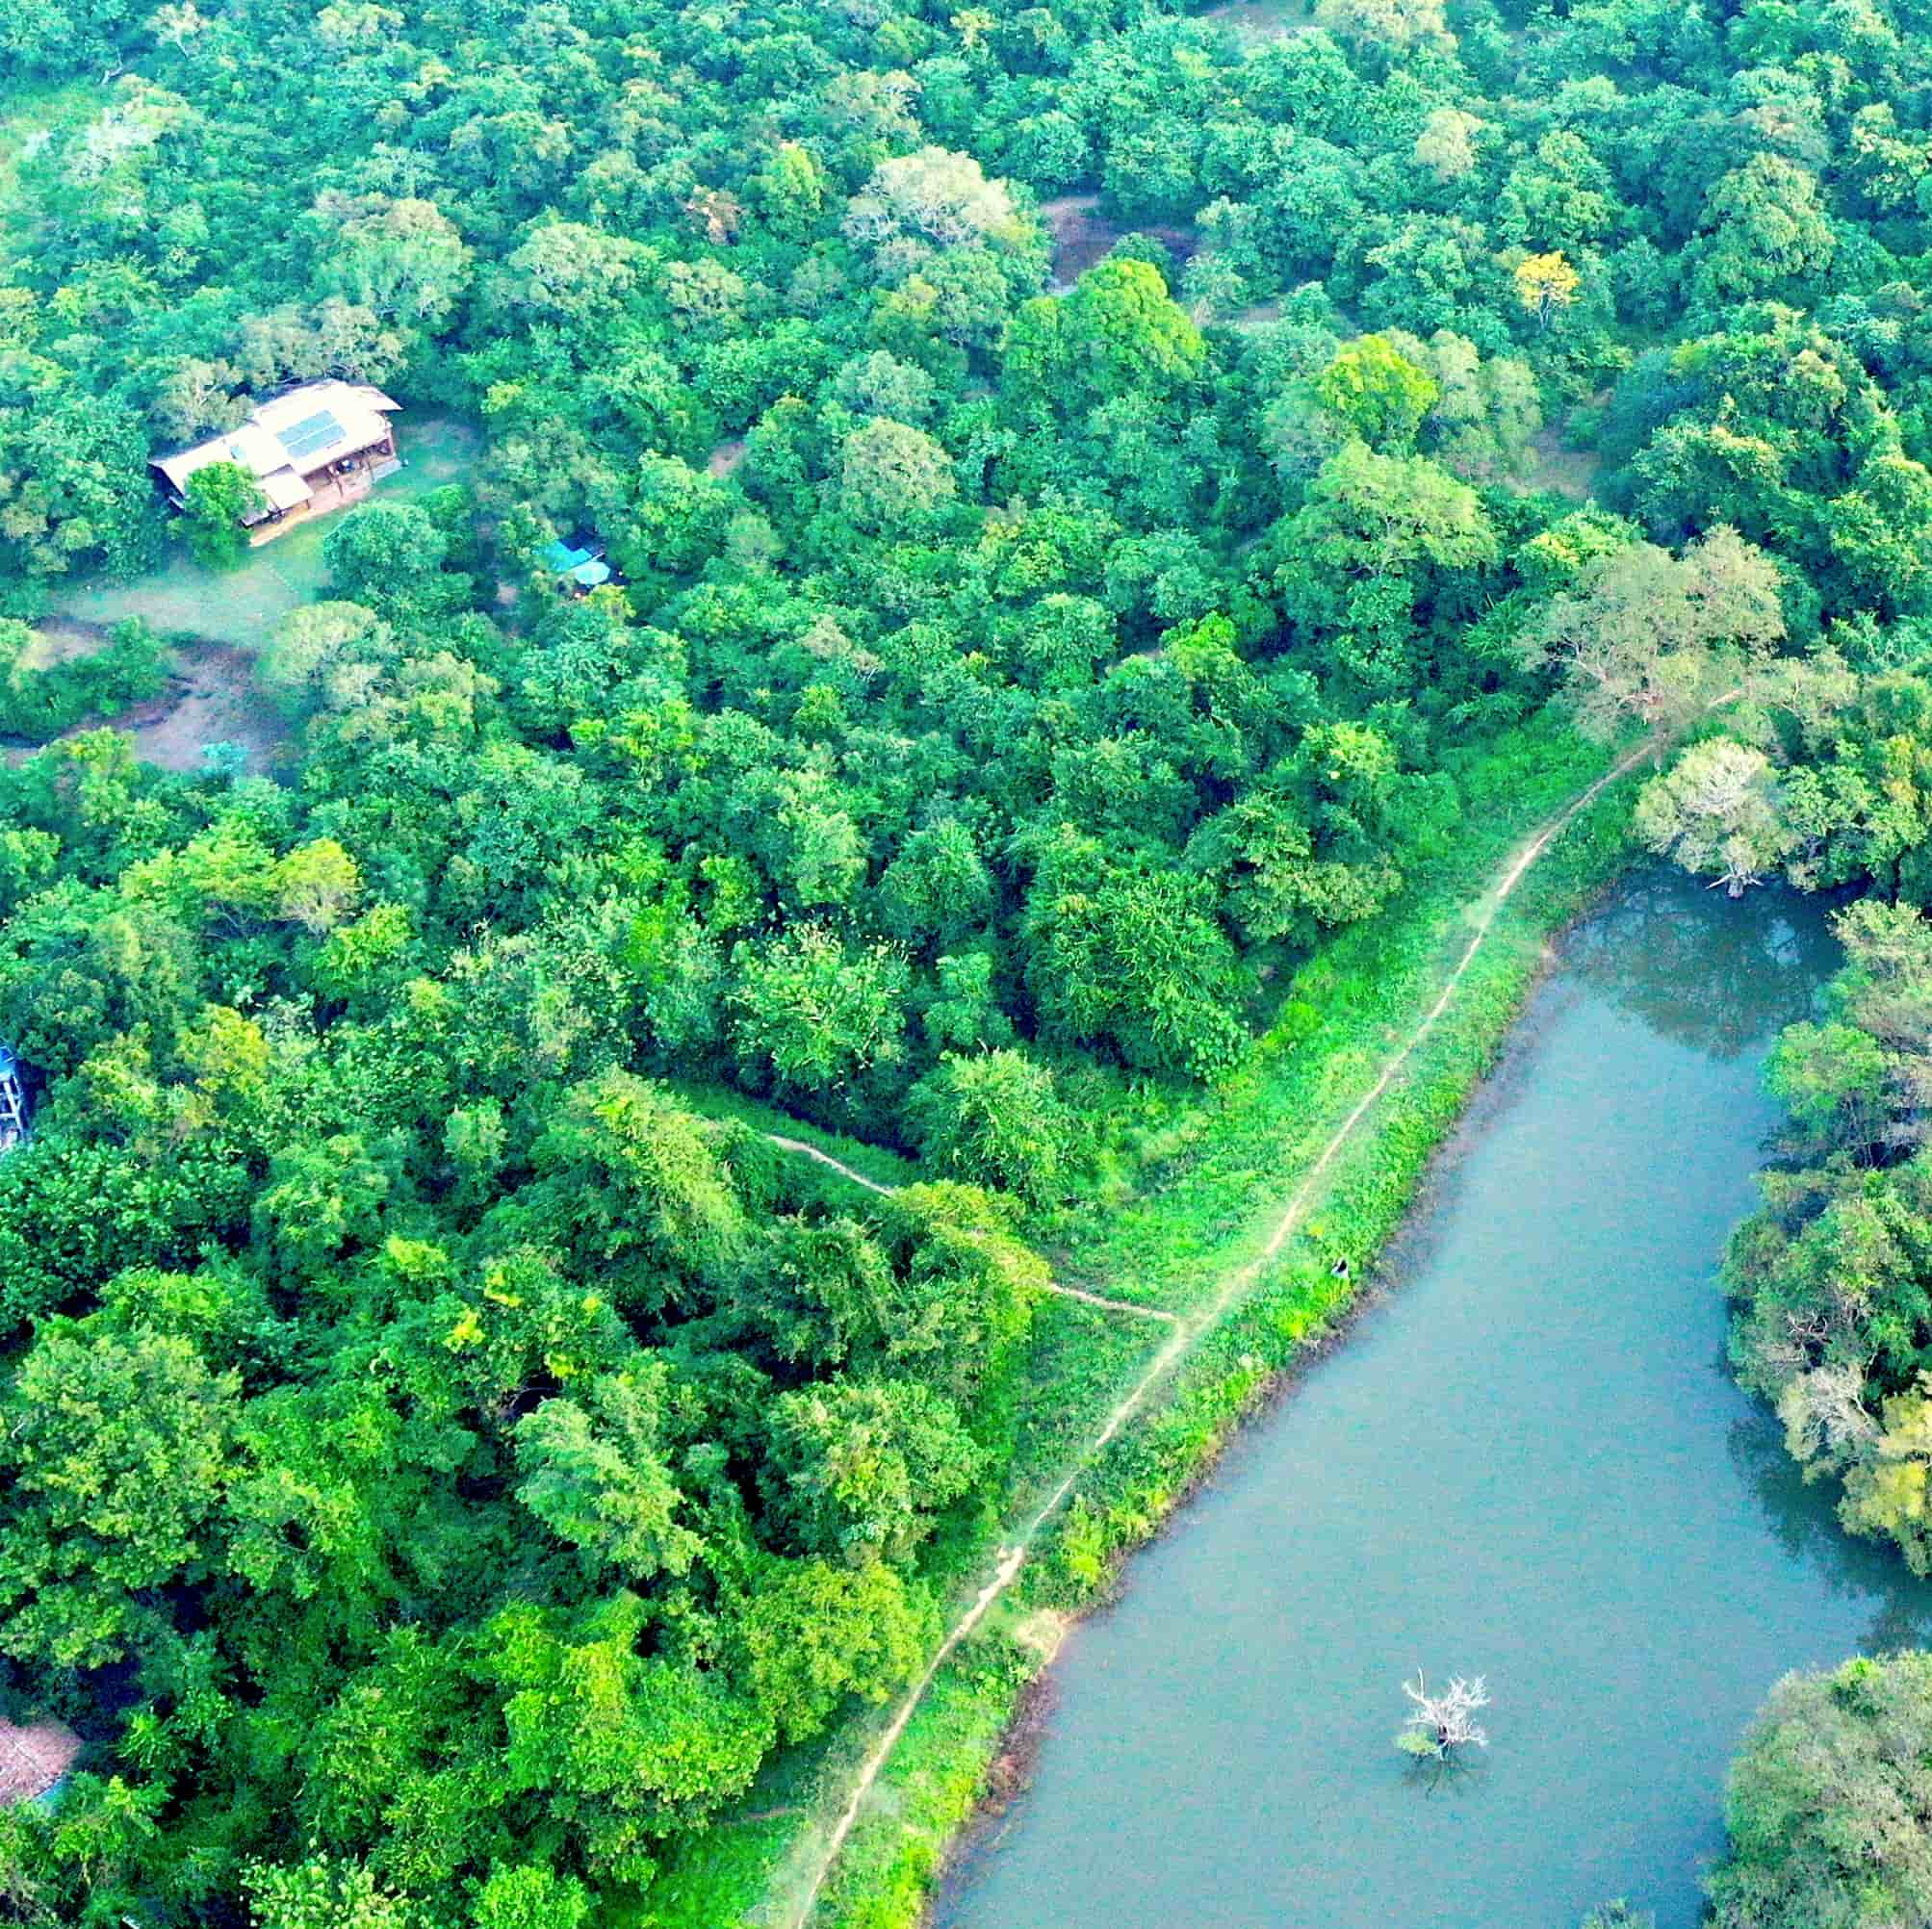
[[241, 605]]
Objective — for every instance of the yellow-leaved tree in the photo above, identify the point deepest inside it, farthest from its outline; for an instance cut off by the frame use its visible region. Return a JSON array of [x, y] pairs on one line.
[[1546, 283]]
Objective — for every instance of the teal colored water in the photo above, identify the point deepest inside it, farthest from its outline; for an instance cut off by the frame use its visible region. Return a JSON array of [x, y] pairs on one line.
[[1526, 1462]]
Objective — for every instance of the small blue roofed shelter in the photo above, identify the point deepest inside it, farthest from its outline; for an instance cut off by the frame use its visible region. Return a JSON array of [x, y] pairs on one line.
[[580, 563], [12, 1101]]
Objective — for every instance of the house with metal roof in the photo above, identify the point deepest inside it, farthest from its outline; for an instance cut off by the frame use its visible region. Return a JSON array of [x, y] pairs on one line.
[[311, 450]]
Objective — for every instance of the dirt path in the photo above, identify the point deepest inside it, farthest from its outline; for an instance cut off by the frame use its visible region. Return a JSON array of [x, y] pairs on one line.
[[1187, 1333], [838, 1166], [858, 1178]]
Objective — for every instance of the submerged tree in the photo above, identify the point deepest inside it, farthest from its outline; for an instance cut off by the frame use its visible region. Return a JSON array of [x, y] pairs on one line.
[[1440, 1725], [1716, 813]]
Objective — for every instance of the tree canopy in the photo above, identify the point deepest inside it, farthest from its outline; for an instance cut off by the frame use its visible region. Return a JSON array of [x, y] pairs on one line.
[[1088, 492]]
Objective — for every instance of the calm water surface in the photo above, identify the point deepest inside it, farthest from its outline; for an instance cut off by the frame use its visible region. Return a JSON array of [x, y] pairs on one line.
[[1529, 1463]]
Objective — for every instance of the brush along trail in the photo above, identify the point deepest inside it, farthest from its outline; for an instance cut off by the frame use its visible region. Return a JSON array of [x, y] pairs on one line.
[[858, 1178], [1185, 1332]]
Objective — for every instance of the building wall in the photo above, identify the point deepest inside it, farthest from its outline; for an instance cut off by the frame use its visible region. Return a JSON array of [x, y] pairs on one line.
[[328, 493]]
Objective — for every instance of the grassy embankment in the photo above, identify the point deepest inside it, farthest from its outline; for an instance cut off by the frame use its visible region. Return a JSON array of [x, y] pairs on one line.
[[1214, 1174]]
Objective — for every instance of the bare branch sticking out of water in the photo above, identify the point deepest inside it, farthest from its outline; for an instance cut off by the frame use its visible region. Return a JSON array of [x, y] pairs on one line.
[[1440, 1724]]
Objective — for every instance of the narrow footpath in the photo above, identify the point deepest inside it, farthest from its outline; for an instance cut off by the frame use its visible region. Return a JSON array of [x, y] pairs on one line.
[[858, 1178], [1185, 1332]]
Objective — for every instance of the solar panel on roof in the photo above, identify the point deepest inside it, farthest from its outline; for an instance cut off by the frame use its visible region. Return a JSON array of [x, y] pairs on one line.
[[311, 433]]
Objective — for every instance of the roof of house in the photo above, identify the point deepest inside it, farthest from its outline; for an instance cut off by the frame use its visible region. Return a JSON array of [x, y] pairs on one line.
[[285, 489], [290, 436]]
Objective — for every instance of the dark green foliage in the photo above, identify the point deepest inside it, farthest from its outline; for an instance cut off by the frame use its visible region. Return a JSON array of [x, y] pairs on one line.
[[1015, 679], [40, 703], [1826, 1802], [219, 499]]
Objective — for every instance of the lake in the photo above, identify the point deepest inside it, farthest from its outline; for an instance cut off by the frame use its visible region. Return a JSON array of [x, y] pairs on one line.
[[1528, 1462]]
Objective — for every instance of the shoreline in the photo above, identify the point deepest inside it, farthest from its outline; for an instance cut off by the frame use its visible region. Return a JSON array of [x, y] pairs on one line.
[[1009, 1772], [1289, 1320]]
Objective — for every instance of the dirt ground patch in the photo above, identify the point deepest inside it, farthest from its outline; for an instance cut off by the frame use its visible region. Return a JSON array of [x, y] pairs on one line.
[[1082, 236], [1260, 316], [61, 640], [213, 699], [32, 1759], [725, 458], [1264, 19], [1560, 468]]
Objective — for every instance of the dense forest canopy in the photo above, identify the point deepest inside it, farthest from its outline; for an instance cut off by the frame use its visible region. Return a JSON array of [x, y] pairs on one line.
[[441, 1462]]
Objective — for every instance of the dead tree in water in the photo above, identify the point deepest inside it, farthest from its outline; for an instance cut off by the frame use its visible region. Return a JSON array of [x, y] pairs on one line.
[[1440, 1724]]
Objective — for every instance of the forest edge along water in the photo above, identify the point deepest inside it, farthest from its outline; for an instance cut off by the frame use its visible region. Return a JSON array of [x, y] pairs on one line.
[[1010, 1558], [1575, 1500]]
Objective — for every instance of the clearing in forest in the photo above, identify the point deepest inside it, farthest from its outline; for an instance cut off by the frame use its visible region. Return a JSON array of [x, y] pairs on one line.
[[1264, 19], [1082, 235], [240, 606]]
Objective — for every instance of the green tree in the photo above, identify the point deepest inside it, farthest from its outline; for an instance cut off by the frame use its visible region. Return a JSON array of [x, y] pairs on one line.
[[813, 1013], [595, 1475], [1825, 1802], [220, 497], [388, 558], [1377, 392], [1369, 515], [326, 656], [1651, 638], [817, 1632], [323, 1893], [527, 1896], [636, 1190], [994, 1119], [401, 258], [1117, 332], [1394, 24], [891, 474], [859, 1469], [119, 1448], [1138, 960]]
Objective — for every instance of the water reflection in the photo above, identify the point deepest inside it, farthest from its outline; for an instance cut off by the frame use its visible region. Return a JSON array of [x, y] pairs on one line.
[[1582, 1506], [1718, 974], [1804, 1520]]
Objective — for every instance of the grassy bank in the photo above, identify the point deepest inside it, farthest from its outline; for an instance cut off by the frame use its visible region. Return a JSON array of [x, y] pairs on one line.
[[1212, 1176]]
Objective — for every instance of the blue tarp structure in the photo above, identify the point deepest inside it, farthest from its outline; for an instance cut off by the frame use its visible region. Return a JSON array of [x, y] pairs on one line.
[[584, 565]]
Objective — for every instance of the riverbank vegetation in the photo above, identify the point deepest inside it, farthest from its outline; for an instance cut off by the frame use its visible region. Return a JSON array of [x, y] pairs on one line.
[[1045, 728], [1826, 1804], [1830, 1279]]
